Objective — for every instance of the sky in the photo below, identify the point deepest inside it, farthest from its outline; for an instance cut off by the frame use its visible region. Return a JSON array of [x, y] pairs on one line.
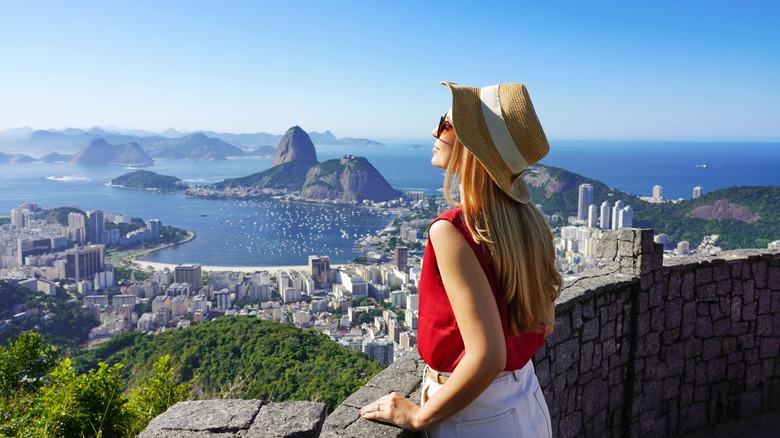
[[595, 70]]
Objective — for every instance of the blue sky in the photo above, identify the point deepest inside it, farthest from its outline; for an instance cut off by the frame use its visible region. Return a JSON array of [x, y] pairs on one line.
[[655, 70]]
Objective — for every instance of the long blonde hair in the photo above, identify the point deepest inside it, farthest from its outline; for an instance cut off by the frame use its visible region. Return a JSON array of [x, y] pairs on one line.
[[517, 238]]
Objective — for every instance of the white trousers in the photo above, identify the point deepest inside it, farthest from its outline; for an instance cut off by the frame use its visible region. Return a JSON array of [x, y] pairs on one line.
[[512, 406]]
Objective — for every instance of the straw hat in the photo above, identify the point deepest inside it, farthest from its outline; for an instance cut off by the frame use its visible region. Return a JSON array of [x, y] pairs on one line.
[[499, 126]]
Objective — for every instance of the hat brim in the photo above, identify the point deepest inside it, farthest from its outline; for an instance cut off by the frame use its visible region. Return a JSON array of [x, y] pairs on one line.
[[472, 131]]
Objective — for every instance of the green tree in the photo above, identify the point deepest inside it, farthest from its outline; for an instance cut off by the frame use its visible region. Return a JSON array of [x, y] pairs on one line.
[[156, 395], [75, 405], [24, 363]]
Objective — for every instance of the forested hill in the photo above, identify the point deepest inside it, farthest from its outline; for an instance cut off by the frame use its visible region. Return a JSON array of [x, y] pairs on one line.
[[557, 190], [146, 180], [244, 357], [742, 217]]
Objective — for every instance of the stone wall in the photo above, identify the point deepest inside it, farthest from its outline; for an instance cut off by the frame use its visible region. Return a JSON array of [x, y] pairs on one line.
[[640, 348]]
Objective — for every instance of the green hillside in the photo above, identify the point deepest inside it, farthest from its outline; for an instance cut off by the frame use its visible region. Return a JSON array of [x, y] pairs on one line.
[[742, 217], [146, 180], [244, 357]]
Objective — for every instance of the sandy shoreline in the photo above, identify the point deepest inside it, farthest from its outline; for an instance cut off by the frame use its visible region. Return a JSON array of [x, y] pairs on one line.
[[245, 269]]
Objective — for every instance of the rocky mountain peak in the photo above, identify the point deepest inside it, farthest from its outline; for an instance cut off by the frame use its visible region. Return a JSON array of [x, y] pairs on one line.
[[296, 146]]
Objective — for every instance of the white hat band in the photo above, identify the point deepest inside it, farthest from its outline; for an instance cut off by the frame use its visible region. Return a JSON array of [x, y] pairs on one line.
[[494, 119]]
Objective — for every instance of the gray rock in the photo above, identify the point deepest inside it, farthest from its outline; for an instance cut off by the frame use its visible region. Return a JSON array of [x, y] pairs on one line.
[[207, 415], [292, 419]]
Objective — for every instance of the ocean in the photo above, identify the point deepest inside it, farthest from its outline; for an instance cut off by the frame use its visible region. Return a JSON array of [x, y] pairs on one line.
[[255, 233]]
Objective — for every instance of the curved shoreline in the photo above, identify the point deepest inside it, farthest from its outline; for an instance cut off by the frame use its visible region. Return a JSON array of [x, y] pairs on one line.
[[130, 258]]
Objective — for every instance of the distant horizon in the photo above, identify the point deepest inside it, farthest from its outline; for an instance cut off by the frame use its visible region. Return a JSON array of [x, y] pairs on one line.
[[126, 131]]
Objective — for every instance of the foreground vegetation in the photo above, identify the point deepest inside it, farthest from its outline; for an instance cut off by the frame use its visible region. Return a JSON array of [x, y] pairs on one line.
[[243, 357], [42, 395]]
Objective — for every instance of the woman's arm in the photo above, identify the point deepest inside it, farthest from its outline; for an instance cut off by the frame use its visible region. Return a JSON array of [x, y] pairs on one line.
[[477, 315]]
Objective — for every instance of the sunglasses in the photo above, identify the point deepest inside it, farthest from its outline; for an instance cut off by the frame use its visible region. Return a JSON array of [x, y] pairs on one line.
[[444, 124]]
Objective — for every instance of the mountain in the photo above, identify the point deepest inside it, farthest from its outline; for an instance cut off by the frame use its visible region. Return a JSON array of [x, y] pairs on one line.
[[328, 139], [295, 169], [15, 158], [245, 140], [100, 152], [349, 179], [262, 151], [54, 157], [295, 146], [194, 147], [146, 180]]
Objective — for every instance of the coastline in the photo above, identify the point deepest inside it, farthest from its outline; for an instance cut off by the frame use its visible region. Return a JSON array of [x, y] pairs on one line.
[[130, 258], [158, 266]]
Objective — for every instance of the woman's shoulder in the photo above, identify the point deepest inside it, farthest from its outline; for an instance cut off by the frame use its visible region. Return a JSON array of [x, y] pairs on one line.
[[450, 215]]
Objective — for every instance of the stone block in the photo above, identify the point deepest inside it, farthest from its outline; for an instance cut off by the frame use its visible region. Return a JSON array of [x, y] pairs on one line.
[[207, 416], [586, 358], [701, 374], [716, 370], [725, 305], [674, 285], [729, 344], [626, 250], [776, 325], [703, 275], [760, 274], [715, 312], [703, 327], [748, 291], [706, 292], [693, 348], [749, 311], [298, 419], [672, 313], [775, 301], [750, 403], [736, 308], [764, 302], [686, 395], [595, 397], [739, 328], [606, 251], [724, 287], [735, 371], [722, 327], [774, 279], [702, 309], [646, 280], [764, 325], [656, 295], [627, 265], [752, 376], [576, 316], [566, 355], [648, 346], [674, 356], [701, 393], [721, 272], [711, 348], [768, 348], [751, 355], [736, 268], [688, 320], [643, 324], [693, 417], [590, 330], [571, 425], [404, 377], [671, 388], [657, 319], [688, 281], [587, 309], [767, 369]]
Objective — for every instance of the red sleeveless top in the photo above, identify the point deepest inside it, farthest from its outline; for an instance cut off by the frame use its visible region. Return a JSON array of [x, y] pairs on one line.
[[438, 335]]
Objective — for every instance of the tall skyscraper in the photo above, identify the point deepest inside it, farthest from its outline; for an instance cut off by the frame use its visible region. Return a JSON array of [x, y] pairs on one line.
[[154, 227], [696, 192], [626, 217], [97, 225], [616, 214], [658, 193], [77, 227], [585, 201], [189, 273], [605, 216], [593, 216], [84, 262], [18, 218], [400, 258], [319, 269]]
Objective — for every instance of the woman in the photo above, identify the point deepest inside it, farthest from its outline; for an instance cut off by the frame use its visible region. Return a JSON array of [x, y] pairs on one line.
[[489, 283]]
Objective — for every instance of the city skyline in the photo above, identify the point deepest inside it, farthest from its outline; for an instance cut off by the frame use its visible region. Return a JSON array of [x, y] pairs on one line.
[[663, 71]]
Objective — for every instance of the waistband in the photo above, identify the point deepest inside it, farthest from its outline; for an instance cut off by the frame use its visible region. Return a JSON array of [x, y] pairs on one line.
[[441, 377]]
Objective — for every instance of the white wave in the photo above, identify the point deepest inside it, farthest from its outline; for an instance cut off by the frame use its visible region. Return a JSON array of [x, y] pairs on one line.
[[71, 178]]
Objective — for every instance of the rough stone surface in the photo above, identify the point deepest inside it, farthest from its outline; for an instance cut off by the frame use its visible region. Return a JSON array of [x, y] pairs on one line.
[[288, 419], [207, 415]]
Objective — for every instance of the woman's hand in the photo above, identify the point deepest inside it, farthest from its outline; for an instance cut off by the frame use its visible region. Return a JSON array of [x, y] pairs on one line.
[[392, 408]]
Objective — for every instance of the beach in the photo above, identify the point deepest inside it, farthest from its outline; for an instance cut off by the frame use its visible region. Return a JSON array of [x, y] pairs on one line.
[[209, 268]]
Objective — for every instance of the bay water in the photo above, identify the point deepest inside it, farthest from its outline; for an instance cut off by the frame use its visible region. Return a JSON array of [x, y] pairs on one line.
[[270, 233]]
